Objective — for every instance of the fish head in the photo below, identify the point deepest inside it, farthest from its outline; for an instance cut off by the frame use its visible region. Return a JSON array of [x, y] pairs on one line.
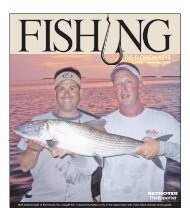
[[34, 130]]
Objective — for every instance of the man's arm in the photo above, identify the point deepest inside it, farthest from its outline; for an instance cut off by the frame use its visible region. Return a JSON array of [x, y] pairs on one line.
[[152, 148], [29, 157], [170, 150]]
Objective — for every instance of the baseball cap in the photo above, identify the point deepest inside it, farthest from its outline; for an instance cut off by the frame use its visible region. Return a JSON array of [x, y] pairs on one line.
[[125, 66], [67, 74]]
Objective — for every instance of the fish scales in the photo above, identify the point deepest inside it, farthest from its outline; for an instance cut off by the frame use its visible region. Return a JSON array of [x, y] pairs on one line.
[[101, 143]]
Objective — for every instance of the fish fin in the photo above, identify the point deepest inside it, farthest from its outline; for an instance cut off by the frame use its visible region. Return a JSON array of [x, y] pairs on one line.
[[96, 124], [165, 137], [158, 162], [52, 143], [99, 160]]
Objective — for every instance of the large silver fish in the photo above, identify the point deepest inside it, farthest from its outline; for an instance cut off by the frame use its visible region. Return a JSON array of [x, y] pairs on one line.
[[89, 139]]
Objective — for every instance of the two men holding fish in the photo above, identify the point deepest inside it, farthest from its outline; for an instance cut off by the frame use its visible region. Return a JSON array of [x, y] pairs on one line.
[[128, 173], [126, 178]]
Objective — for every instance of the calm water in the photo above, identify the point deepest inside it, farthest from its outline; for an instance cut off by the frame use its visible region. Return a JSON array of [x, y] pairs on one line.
[[28, 99]]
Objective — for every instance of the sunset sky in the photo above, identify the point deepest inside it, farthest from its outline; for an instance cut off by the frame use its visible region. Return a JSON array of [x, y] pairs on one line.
[[34, 67]]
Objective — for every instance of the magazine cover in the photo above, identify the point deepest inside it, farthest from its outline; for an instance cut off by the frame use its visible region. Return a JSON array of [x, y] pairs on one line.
[[95, 110]]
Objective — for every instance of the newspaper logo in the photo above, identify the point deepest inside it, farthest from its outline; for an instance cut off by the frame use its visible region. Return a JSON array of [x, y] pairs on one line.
[[163, 196], [152, 132]]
